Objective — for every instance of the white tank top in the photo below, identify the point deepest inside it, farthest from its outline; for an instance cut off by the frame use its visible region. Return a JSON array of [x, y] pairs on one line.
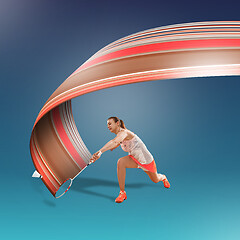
[[137, 149]]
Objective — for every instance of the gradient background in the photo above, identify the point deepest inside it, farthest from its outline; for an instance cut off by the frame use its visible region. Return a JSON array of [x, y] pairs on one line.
[[191, 126]]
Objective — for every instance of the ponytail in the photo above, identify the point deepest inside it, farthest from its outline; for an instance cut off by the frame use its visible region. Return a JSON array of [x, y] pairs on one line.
[[122, 125]]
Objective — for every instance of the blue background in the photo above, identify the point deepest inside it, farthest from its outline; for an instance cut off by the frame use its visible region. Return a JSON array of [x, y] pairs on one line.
[[191, 126]]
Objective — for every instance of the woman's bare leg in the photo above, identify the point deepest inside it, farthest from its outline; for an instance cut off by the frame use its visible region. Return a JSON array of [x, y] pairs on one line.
[[122, 164], [155, 177]]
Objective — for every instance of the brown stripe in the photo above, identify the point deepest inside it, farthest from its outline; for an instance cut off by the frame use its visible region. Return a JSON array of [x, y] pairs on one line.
[[54, 153], [150, 62]]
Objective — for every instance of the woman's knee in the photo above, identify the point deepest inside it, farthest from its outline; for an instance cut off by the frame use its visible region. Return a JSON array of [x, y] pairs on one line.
[[154, 177], [120, 162], [155, 180], [126, 162]]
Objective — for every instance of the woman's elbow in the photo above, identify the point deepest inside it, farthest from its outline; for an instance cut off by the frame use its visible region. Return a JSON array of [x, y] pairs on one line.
[[116, 143]]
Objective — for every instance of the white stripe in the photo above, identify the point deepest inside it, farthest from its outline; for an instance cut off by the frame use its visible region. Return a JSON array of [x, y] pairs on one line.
[[67, 128], [185, 26], [87, 154], [171, 34]]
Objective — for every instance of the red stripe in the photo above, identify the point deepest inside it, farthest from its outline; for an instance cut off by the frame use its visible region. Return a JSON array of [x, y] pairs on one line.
[[65, 139], [165, 46]]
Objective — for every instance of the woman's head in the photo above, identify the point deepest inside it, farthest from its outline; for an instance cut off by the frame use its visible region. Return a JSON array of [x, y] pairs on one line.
[[114, 123]]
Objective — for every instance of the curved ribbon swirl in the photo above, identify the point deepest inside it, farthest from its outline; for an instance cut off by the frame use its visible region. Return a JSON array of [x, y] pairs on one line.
[[177, 51]]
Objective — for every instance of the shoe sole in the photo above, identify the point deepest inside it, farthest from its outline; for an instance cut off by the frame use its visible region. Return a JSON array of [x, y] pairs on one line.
[[122, 201]]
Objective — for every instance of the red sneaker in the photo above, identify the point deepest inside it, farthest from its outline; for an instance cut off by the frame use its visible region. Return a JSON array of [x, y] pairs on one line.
[[122, 196], [166, 183]]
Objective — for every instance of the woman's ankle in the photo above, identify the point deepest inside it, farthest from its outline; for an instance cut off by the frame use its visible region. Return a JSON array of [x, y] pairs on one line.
[[161, 177]]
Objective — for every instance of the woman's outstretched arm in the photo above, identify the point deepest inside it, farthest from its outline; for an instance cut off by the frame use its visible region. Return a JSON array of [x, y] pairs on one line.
[[112, 144], [115, 147]]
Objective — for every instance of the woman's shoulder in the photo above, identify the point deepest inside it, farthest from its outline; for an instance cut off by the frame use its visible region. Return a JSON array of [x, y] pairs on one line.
[[129, 134]]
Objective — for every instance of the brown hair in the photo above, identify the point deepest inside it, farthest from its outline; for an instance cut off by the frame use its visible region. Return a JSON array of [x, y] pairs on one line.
[[122, 125]]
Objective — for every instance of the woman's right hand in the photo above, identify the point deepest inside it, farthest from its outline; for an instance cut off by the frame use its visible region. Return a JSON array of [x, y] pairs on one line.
[[95, 156]]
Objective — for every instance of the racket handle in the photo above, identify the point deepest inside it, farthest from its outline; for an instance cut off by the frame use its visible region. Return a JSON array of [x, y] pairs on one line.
[[99, 154]]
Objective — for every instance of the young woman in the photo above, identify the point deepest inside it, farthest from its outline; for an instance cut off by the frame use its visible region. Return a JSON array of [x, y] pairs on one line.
[[139, 156]]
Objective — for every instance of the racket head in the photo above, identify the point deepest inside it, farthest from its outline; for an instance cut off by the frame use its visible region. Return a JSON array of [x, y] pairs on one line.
[[64, 188]]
